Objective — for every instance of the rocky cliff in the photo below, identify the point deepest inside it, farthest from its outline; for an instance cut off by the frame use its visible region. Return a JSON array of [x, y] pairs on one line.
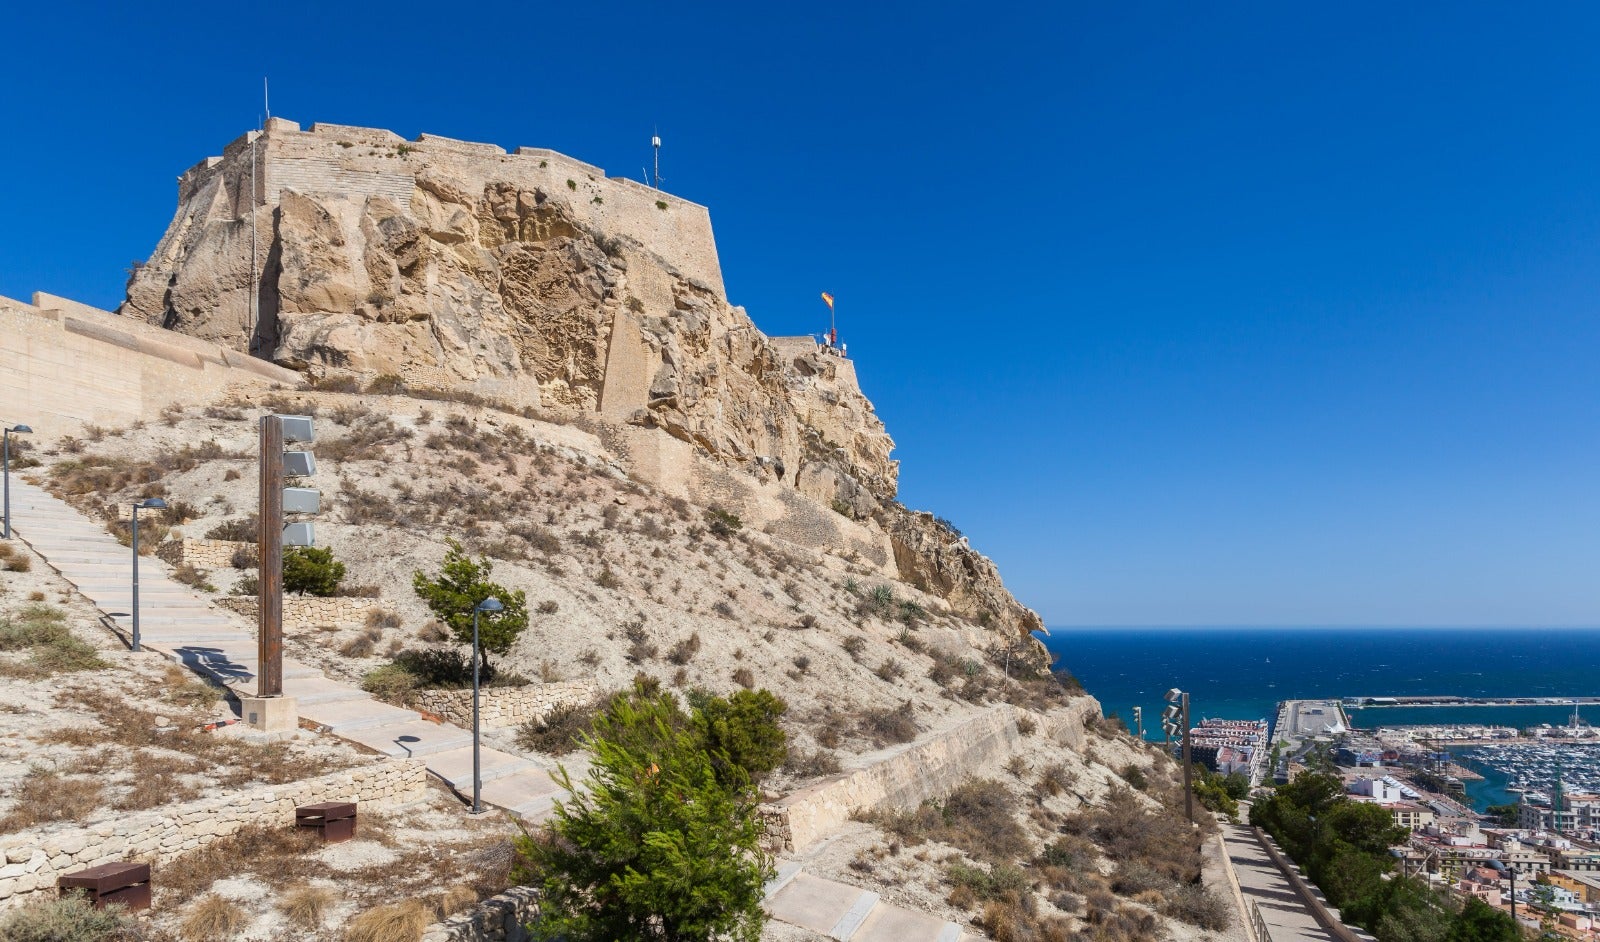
[[534, 280]]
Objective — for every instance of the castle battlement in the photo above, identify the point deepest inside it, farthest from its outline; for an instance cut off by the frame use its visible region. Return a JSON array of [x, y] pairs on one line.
[[337, 160]]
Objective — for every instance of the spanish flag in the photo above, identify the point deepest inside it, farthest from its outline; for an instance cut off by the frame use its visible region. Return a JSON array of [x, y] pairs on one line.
[[828, 298]]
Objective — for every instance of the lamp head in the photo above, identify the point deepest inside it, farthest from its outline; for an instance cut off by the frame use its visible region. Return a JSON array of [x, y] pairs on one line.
[[152, 503], [490, 604], [20, 429]]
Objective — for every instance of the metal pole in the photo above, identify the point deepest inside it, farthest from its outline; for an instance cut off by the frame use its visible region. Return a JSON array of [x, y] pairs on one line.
[[250, 325], [477, 778], [1188, 765], [8, 481], [136, 577], [269, 546]]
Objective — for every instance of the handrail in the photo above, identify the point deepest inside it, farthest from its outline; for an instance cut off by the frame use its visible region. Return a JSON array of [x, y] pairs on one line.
[[1312, 901], [1260, 922]]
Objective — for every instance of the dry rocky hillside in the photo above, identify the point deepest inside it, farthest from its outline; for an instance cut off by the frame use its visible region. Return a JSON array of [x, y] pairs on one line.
[[517, 355], [623, 581]]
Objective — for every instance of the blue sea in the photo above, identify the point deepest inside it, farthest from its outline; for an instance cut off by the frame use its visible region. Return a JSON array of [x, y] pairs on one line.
[[1242, 673]]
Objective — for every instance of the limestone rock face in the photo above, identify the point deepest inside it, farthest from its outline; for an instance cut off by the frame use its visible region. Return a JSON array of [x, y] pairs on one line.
[[533, 280]]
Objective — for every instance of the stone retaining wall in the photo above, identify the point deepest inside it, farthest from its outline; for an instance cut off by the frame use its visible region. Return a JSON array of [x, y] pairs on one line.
[[499, 707], [202, 554], [502, 918], [309, 612], [917, 772], [31, 861]]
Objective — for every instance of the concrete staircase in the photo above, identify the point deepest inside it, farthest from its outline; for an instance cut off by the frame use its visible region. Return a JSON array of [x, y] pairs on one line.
[[180, 624], [850, 914]]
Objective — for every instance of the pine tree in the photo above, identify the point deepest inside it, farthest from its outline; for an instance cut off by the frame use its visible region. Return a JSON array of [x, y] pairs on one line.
[[655, 846], [460, 587]]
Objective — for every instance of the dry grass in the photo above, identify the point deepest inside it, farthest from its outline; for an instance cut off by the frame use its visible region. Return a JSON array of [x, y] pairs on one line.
[[212, 918], [396, 922], [44, 796], [305, 906], [887, 725], [456, 899], [42, 631], [281, 850]]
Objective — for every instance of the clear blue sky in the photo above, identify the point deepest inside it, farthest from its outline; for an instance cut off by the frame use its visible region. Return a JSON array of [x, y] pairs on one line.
[[1273, 315]]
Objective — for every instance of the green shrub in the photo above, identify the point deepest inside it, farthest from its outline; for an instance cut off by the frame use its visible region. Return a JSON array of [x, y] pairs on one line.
[[311, 570], [69, 919], [722, 523], [390, 682], [993, 883], [742, 731], [560, 731], [655, 846]]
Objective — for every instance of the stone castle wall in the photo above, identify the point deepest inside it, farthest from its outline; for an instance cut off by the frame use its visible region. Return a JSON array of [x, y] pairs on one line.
[[335, 159], [30, 862], [500, 707], [920, 771], [64, 365]]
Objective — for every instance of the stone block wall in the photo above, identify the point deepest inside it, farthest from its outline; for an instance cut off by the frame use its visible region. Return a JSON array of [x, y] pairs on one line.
[[202, 554], [921, 771], [502, 918], [64, 365], [30, 862], [309, 612], [500, 707]]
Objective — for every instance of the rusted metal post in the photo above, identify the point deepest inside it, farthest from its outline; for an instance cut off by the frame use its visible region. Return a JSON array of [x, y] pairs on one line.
[[1188, 765], [269, 547]]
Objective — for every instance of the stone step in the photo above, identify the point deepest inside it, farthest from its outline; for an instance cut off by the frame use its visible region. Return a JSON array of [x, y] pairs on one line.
[[352, 716], [311, 688], [406, 740], [455, 766]]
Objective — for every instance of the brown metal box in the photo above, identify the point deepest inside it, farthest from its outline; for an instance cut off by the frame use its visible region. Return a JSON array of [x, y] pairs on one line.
[[341, 829], [335, 819], [125, 883]]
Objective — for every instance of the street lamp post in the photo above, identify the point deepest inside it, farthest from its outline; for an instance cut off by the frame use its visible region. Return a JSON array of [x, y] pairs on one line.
[[14, 430], [153, 503], [490, 604]]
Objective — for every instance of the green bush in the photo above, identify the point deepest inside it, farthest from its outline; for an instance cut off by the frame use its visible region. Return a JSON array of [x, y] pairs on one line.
[[993, 883], [722, 523], [460, 587], [311, 570], [743, 731], [390, 682], [655, 846], [69, 919]]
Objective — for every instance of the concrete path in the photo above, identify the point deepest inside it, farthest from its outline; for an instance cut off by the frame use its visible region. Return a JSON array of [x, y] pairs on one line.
[[1264, 885], [849, 913], [178, 622]]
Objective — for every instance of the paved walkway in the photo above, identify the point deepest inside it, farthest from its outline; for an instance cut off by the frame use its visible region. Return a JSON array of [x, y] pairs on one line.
[[850, 914], [179, 623], [1264, 886]]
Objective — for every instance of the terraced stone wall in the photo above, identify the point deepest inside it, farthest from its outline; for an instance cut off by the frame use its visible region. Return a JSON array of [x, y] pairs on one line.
[[31, 861]]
